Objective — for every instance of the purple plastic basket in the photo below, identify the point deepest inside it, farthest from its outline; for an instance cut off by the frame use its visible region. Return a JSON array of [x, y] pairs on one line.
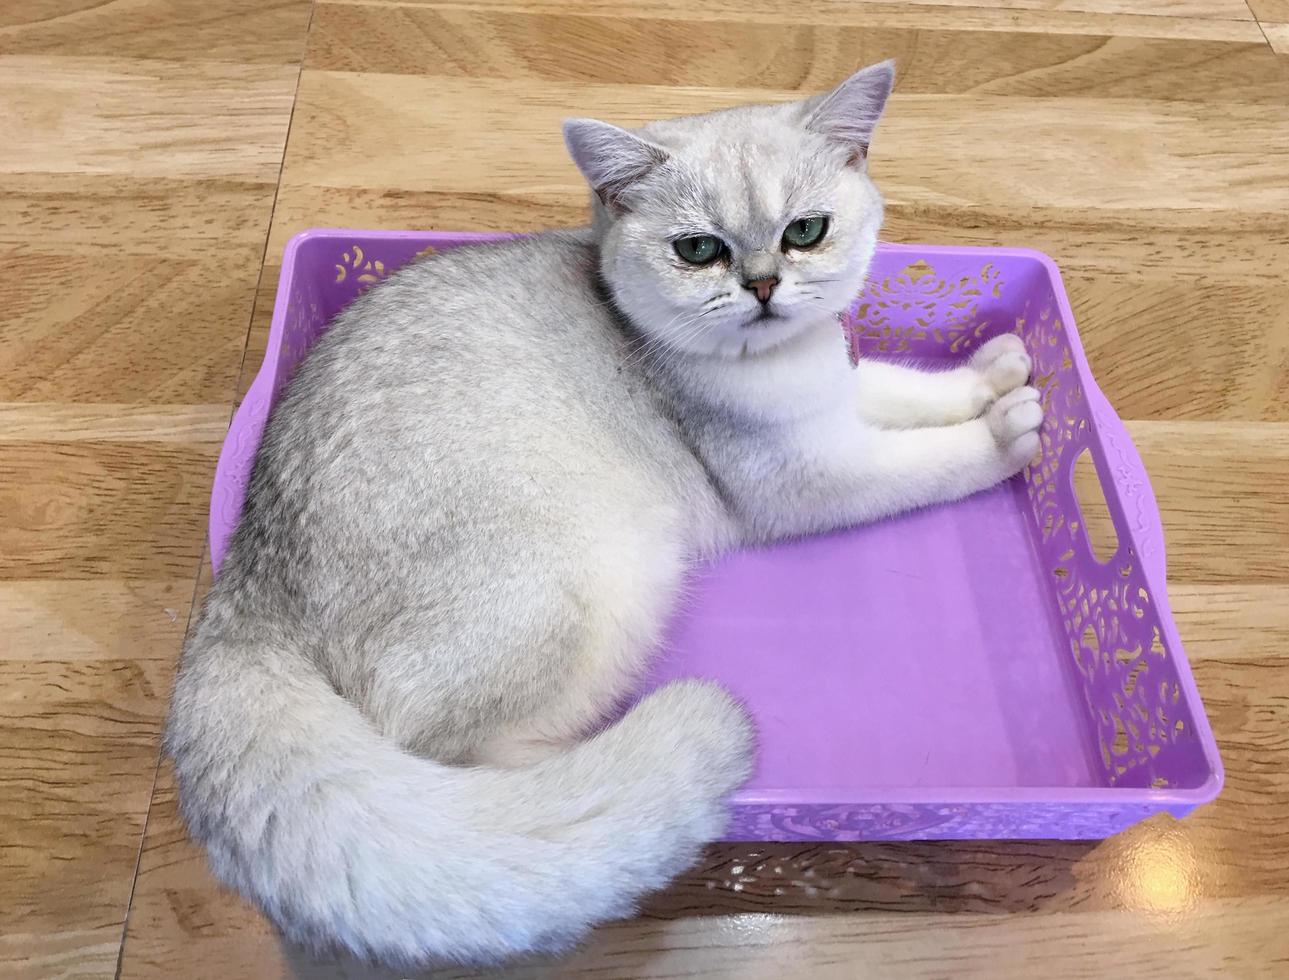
[[967, 671]]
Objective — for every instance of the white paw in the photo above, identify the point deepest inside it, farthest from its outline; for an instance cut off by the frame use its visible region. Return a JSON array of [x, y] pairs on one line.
[[1014, 419], [1003, 364]]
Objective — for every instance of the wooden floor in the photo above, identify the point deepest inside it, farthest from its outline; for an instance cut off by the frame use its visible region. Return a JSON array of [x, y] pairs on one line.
[[156, 154]]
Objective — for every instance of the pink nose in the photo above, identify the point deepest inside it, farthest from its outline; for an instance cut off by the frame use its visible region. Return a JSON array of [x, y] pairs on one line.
[[762, 287]]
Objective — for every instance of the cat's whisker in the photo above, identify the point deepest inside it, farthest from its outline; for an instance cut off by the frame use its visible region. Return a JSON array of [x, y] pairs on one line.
[[669, 340], [649, 344], [676, 347], [660, 342]]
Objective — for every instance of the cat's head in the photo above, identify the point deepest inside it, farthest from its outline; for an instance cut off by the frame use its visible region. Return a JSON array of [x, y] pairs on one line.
[[733, 231]]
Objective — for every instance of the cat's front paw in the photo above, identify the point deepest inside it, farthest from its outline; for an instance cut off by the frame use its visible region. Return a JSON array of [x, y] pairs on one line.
[[1003, 364], [1014, 419]]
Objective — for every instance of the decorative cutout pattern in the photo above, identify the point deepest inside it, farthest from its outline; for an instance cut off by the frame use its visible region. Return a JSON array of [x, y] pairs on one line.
[[368, 271], [1111, 624], [930, 821], [905, 312]]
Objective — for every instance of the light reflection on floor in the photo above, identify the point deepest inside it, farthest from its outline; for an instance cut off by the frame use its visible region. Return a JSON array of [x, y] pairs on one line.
[[1160, 875]]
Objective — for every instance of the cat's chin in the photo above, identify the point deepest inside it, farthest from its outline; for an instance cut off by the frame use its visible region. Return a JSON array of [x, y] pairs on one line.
[[761, 335], [755, 332]]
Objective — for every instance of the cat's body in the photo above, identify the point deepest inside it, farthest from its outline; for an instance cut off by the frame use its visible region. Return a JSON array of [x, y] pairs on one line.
[[472, 514]]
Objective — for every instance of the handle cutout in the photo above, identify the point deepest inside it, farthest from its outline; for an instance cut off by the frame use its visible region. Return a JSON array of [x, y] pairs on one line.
[[1098, 526]]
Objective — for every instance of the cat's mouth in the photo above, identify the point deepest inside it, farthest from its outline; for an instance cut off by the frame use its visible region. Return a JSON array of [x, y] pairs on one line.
[[765, 316]]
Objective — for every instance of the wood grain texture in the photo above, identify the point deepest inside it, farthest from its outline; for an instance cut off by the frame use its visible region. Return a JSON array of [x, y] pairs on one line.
[[23, 421], [1277, 37], [148, 184], [1150, 146], [1270, 11], [1187, 9], [155, 119], [141, 146], [1144, 19], [797, 56], [235, 31]]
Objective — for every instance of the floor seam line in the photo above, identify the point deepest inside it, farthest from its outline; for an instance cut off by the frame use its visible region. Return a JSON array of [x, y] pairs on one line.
[[232, 408]]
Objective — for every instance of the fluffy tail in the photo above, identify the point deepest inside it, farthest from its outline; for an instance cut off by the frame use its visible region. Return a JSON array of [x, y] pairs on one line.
[[345, 840]]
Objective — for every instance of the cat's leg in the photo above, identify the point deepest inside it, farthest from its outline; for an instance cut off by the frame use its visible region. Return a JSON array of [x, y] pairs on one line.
[[618, 582], [836, 476], [894, 396], [611, 656]]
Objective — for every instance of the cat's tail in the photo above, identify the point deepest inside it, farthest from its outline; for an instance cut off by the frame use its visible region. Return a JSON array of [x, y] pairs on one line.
[[348, 842]]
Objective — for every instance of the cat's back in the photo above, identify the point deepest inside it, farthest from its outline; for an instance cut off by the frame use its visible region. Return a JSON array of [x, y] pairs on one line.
[[532, 296], [476, 325], [473, 380]]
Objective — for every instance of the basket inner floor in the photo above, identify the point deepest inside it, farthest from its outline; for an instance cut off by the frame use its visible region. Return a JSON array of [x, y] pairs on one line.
[[922, 651]]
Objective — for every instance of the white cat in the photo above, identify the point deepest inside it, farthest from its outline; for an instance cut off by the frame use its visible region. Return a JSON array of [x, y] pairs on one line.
[[473, 509]]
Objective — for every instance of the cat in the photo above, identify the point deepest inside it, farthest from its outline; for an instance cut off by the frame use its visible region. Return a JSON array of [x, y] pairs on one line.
[[472, 512]]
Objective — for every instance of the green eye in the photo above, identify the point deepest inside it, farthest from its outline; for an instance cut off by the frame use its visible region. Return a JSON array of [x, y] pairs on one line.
[[805, 232], [699, 249]]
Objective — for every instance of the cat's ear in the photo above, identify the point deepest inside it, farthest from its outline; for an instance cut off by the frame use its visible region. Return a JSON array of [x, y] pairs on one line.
[[610, 158], [849, 113]]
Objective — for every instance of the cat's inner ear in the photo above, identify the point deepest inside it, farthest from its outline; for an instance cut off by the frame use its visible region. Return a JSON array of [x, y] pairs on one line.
[[610, 158], [849, 113]]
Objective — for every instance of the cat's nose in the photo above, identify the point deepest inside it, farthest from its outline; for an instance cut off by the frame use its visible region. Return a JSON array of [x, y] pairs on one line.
[[764, 288]]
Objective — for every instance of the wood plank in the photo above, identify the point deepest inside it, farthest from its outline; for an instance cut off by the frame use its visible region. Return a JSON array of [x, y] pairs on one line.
[[255, 31], [1034, 16], [798, 57], [159, 119], [84, 674], [143, 140], [447, 125], [124, 510], [1192, 249], [86, 620], [165, 319], [1181, 350], [24, 422], [1212, 534], [302, 206], [1232, 623], [929, 945], [150, 328], [1188, 9], [1270, 10], [106, 216], [1277, 37]]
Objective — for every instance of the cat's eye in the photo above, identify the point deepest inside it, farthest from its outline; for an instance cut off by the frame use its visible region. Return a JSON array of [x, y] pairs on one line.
[[805, 232], [699, 249]]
